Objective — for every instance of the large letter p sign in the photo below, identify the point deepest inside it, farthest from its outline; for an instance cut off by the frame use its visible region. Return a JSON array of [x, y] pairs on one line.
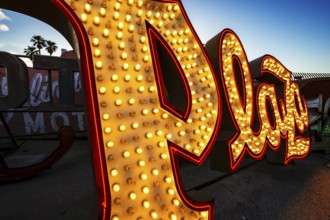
[[136, 128]]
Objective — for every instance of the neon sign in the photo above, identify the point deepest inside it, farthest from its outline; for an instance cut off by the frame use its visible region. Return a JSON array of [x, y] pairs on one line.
[[137, 132], [275, 123]]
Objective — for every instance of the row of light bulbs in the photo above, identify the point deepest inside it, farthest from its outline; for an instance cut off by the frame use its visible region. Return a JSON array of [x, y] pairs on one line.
[[242, 109], [139, 140]]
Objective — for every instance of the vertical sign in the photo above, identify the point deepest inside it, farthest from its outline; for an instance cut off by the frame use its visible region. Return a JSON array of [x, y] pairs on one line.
[[134, 124]]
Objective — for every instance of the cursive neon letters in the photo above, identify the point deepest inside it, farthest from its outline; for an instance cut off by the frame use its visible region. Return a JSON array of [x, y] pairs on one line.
[[291, 112], [137, 133]]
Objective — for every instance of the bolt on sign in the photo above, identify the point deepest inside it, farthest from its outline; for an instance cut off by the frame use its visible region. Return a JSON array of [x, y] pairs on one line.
[[140, 121]]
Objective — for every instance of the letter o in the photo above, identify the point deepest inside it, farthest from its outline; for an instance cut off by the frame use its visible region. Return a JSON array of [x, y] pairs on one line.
[[53, 117]]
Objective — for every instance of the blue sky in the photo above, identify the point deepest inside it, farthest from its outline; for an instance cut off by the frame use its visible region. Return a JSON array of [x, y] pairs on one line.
[[295, 32], [17, 29]]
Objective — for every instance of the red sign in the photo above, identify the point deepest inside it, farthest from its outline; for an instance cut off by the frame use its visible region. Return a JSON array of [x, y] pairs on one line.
[[31, 118]]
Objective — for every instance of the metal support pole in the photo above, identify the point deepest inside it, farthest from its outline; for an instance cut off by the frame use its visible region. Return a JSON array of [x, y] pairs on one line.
[[5, 125]]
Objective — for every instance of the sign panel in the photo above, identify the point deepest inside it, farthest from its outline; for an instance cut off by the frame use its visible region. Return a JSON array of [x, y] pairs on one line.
[[31, 118]]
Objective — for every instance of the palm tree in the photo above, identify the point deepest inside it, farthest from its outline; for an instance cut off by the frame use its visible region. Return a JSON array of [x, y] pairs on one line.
[[39, 42], [51, 47], [30, 51]]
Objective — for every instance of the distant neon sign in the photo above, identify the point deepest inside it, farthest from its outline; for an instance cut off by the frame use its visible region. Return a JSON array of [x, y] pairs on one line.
[[137, 132], [287, 115]]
